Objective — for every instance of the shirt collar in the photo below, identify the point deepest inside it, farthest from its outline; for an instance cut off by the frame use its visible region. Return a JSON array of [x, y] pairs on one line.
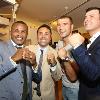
[[92, 39], [14, 44], [44, 49]]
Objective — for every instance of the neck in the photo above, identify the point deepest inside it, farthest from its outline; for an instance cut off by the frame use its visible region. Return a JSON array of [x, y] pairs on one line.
[[92, 32], [43, 47], [65, 40]]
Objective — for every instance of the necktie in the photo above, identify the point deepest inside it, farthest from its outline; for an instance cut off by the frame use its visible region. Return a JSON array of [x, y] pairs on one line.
[[18, 47], [25, 85], [40, 73], [40, 65]]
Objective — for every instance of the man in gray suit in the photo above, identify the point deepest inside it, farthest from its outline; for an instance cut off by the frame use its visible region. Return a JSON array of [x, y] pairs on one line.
[[15, 65]]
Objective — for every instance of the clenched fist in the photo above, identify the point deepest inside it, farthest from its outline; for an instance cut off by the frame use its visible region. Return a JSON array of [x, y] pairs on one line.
[[62, 53], [76, 40], [51, 59]]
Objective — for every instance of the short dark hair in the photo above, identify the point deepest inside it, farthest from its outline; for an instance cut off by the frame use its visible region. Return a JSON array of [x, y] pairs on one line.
[[93, 8], [46, 26], [19, 22], [70, 18]]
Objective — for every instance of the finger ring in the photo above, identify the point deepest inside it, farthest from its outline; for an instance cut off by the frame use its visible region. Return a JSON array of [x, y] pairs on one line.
[[30, 57]]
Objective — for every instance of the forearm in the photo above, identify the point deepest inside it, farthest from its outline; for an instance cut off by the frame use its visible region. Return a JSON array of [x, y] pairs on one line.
[[69, 71], [6, 68], [88, 66], [57, 73]]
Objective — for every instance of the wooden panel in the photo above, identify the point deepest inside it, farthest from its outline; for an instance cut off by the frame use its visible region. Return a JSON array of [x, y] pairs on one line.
[[4, 3]]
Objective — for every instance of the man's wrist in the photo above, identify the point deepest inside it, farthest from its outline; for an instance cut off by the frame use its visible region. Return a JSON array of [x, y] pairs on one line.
[[13, 62], [14, 59], [54, 64], [34, 64], [63, 59], [66, 59]]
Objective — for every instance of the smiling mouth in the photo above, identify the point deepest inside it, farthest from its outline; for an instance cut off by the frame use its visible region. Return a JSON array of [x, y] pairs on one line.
[[19, 38], [43, 40], [87, 25]]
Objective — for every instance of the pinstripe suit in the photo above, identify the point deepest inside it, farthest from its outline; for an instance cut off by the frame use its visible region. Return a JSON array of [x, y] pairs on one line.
[[89, 61]]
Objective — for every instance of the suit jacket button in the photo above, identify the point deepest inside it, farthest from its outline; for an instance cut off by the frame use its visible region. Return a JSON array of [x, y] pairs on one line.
[[89, 53], [22, 82], [20, 94]]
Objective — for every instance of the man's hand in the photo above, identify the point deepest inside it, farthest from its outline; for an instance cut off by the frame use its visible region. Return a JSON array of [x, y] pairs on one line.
[[62, 53], [76, 40], [51, 59], [18, 55], [29, 56], [24, 53], [32, 59]]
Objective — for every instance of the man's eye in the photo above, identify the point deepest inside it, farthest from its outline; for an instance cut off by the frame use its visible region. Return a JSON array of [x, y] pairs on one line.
[[16, 31], [91, 16], [23, 31], [65, 23], [46, 33]]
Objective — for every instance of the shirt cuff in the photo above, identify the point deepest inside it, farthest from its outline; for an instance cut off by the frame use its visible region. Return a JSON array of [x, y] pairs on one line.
[[35, 69], [13, 63], [53, 68], [77, 46]]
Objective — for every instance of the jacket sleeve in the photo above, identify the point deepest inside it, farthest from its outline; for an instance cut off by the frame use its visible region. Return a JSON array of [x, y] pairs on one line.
[[6, 67], [57, 73], [89, 63]]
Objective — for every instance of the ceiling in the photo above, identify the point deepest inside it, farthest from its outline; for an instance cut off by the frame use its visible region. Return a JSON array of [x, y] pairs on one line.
[[47, 11], [50, 10]]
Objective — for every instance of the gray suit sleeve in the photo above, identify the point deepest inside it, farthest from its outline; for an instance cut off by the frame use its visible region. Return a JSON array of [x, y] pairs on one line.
[[6, 67]]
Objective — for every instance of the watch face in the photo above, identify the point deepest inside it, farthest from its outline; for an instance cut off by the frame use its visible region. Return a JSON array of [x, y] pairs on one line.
[[67, 58]]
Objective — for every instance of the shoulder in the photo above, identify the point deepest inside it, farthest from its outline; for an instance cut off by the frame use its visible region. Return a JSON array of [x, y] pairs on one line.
[[32, 47], [52, 50], [3, 44]]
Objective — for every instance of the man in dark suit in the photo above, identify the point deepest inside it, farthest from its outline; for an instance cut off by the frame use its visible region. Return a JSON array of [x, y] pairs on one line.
[[88, 57], [15, 65]]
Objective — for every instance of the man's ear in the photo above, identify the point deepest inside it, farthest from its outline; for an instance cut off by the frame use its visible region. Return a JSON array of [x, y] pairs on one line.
[[10, 32], [72, 26]]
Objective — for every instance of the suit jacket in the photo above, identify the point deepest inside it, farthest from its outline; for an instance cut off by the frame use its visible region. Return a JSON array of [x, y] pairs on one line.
[[11, 86], [89, 65], [47, 85]]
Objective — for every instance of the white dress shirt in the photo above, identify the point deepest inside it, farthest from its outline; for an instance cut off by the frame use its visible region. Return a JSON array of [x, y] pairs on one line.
[[92, 39]]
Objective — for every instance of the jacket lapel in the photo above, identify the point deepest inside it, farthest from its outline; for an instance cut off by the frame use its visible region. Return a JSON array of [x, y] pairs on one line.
[[45, 56], [12, 50]]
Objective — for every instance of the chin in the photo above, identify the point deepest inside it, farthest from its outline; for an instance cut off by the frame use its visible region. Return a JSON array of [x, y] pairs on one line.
[[88, 29], [20, 43], [43, 45]]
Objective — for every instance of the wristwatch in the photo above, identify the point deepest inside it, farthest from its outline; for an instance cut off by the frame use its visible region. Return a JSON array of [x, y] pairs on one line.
[[66, 59]]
